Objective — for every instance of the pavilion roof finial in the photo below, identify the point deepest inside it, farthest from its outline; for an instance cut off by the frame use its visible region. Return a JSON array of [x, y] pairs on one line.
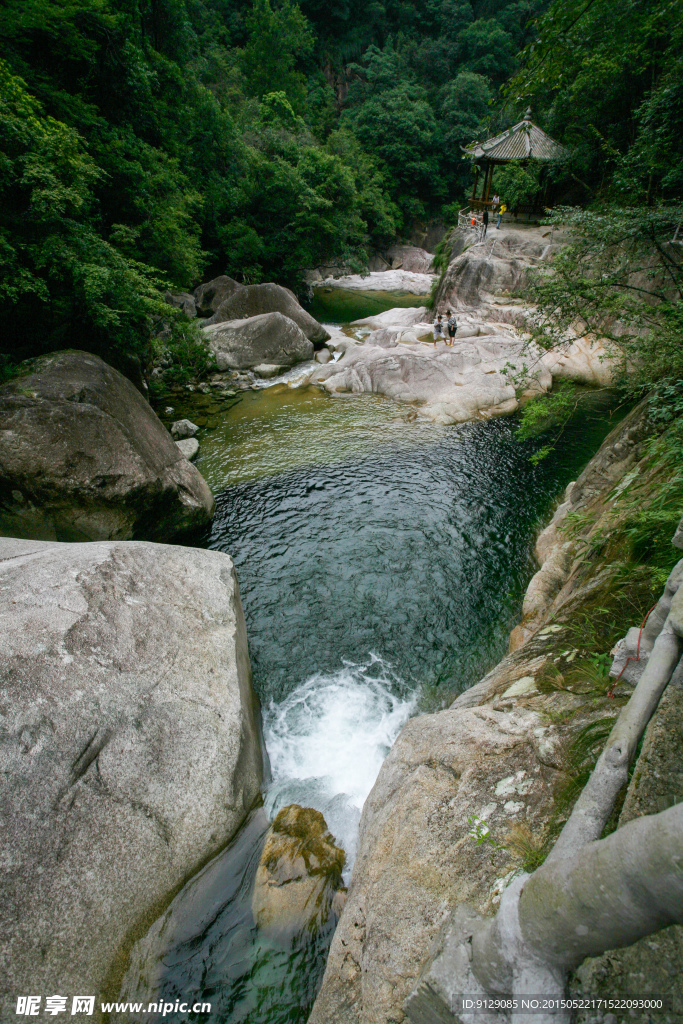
[[527, 116]]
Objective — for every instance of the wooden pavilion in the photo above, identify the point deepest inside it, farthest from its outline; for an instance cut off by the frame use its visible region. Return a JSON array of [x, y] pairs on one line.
[[524, 141]]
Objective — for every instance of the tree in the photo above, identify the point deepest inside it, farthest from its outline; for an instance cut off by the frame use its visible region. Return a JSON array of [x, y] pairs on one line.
[[64, 283], [278, 38]]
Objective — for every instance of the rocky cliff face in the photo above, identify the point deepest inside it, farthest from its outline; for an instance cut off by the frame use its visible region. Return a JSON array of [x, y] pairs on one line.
[[469, 796], [129, 744]]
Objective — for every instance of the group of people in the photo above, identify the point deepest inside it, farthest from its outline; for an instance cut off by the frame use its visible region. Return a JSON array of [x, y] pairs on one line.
[[497, 209], [442, 328]]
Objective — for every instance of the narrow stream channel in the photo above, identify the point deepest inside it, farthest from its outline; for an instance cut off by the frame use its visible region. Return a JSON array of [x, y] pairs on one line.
[[382, 564]]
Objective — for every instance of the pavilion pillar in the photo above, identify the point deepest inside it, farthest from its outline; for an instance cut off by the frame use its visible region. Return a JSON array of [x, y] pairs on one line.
[[489, 180], [476, 179]]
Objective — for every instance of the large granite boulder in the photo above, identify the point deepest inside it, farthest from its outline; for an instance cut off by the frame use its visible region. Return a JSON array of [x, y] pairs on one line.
[[130, 748], [183, 301], [267, 339], [410, 258], [84, 457], [494, 268], [255, 299], [208, 297]]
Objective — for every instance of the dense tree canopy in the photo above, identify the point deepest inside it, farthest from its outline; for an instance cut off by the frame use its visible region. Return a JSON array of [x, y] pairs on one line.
[[149, 143]]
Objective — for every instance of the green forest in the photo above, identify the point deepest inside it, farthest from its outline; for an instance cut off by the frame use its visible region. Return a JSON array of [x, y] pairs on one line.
[[148, 144]]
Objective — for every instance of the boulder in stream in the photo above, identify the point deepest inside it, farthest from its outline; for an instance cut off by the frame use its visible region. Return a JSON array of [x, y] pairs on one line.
[[130, 748], [255, 299], [299, 877], [84, 457], [182, 429], [270, 338], [189, 447]]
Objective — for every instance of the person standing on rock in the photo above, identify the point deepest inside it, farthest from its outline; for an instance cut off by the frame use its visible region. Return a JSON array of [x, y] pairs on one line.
[[495, 203], [452, 326], [501, 211], [438, 330], [485, 220]]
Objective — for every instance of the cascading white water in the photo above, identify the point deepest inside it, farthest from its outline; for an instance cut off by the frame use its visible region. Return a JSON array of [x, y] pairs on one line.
[[327, 741]]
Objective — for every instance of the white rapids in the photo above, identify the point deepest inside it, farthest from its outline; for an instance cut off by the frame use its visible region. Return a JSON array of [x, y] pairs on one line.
[[327, 741]]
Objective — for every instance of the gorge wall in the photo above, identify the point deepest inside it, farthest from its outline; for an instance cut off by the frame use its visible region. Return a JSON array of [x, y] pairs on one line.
[[469, 796]]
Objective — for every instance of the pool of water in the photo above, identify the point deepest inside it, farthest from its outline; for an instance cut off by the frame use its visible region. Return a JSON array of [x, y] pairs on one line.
[[339, 306], [382, 564]]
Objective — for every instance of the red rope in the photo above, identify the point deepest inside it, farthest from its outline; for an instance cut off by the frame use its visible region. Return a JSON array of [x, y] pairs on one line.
[[610, 692]]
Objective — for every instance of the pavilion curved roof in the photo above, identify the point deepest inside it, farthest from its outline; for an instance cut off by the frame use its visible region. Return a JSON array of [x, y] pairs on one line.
[[523, 141]]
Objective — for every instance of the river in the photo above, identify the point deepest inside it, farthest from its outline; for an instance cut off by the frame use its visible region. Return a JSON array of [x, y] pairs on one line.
[[382, 563]]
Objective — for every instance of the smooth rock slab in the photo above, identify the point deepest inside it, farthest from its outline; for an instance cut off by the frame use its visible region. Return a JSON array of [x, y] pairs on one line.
[[84, 457], [383, 281], [450, 384], [189, 447], [130, 748], [395, 319], [268, 370]]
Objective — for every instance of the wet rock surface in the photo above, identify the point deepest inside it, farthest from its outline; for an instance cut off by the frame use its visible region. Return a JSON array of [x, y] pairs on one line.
[[130, 746], [492, 360], [299, 878], [84, 457]]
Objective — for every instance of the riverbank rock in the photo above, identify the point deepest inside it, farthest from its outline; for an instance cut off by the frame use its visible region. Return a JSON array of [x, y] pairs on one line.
[[189, 447], [410, 258], [130, 748], [450, 384], [299, 877], [182, 429], [555, 548], [208, 297], [585, 361], [490, 271], [257, 299], [269, 370], [399, 318], [84, 457], [270, 338], [183, 301], [473, 795]]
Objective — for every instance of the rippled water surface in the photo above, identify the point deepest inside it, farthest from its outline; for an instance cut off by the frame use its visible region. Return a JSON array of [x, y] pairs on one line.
[[357, 533], [382, 563]]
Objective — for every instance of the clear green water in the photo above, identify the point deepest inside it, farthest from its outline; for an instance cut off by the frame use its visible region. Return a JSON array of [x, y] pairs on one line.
[[334, 305], [379, 560], [355, 532]]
